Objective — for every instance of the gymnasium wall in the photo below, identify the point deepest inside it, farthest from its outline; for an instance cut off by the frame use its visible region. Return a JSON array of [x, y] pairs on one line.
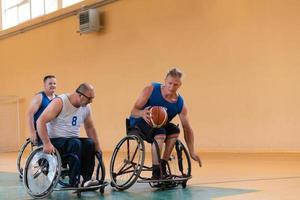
[[240, 59]]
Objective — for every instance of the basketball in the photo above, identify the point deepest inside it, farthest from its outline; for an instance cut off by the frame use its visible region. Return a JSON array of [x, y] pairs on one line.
[[158, 116]]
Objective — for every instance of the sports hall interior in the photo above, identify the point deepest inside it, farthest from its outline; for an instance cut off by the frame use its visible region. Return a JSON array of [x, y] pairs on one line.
[[241, 65]]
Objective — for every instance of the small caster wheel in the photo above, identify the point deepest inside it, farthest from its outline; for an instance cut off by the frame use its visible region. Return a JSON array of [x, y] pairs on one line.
[[102, 190], [184, 184], [79, 194]]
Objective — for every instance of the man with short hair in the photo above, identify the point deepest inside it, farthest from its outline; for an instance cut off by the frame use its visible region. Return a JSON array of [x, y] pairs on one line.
[[64, 116], [38, 104], [164, 95]]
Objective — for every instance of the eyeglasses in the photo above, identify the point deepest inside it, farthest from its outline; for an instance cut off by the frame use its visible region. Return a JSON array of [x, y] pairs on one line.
[[88, 98]]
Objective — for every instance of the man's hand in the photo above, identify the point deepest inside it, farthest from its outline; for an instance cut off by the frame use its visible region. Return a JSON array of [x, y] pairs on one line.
[[146, 114], [196, 158], [98, 149], [48, 148], [33, 138]]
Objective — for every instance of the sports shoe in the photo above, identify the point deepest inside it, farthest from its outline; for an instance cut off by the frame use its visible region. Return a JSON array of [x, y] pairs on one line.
[[91, 183], [156, 174]]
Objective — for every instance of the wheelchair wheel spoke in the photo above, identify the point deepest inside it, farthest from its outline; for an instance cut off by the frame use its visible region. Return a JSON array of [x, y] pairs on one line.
[[126, 162]]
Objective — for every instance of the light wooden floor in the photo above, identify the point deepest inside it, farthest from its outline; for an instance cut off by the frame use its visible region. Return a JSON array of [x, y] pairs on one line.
[[224, 176]]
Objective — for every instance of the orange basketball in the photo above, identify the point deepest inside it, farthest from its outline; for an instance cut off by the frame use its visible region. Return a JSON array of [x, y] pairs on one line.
[[158, 116]]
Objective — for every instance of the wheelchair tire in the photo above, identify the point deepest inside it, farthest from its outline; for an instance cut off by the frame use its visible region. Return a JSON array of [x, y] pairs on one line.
[[179, 163], [127, 162], [41, 173], [100, 168], [20, 162]]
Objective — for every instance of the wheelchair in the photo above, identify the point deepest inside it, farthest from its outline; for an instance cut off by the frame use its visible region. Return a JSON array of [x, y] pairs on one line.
[[24, 152], [44, 173], [128, 166]]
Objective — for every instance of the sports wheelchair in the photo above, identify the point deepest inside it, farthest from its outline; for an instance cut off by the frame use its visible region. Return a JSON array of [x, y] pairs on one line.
[[42, 173], [128, 163]]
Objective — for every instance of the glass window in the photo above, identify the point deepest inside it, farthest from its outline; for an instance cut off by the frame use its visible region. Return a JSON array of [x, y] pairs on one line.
[[50, 6], [70, 2], [24, 12], [10, 3], [11, 18], [17, 11], [37, 8]]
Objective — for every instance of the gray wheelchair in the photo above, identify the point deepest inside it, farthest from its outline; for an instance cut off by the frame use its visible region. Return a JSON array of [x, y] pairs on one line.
[[44, 173], [128, 165]]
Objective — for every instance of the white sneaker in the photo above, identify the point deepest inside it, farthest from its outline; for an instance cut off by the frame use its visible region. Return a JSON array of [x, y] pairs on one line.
[[91, 183]]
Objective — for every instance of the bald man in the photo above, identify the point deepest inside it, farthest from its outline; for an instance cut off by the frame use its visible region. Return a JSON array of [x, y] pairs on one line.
[[64, 115]]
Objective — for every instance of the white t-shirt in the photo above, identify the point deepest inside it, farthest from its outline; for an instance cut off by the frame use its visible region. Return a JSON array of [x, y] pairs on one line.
[[67, 123]]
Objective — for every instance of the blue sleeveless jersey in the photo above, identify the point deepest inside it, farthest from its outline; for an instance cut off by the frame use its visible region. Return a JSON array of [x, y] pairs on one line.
[[45, 102], [156, 99]]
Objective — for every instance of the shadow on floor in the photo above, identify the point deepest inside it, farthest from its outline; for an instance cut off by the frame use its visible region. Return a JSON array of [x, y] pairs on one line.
[[11, 187]]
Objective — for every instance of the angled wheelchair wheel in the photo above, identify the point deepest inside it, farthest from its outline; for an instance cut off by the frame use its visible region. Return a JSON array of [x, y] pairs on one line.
[[23, 154], [41, 173], [99, 171], [179, 164], [127, 162]]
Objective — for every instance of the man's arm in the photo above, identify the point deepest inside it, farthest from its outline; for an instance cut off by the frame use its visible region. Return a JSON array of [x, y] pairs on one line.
[[137, 110], [188, 133], [50, 113], [33, 108], [91, 132]]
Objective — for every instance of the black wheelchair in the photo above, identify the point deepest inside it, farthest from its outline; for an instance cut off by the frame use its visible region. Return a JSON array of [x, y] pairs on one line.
[[44, 173], [128, 163]]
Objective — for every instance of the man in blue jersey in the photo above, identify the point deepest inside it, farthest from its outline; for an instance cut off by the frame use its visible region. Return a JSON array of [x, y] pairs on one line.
[[38, 104], [164, 95], [64, 117]]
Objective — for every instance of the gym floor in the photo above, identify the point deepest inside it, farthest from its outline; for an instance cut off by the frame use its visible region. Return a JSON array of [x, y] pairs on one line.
[[224, 176]]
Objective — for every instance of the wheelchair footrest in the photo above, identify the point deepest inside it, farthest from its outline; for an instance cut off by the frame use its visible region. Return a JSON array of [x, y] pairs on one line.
[[82, 189], [168, 179]]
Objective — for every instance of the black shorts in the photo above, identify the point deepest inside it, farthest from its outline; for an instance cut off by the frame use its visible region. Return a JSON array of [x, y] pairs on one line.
[[149, 132]]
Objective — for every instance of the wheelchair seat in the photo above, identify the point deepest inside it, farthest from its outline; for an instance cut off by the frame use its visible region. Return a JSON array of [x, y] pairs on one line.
[[136, 131]]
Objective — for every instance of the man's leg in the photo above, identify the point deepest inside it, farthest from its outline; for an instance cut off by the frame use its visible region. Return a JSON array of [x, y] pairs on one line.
[[170, 142], [156, 171], [172, 135], [88, 158], [74, 147], [159, 135]]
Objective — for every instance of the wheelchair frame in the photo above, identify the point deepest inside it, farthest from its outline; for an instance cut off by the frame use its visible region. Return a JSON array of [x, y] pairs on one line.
[[41, 167], [133, 164]]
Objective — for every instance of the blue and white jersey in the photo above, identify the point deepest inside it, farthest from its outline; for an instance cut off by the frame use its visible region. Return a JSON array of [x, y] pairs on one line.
[[67, 123]]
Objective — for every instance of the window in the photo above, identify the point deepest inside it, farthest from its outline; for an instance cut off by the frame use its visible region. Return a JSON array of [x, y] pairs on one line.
[[67, 3], [14, 12], [50, 6]]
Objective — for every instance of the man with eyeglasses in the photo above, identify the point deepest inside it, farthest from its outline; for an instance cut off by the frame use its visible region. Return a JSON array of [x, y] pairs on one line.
[[63, 117]]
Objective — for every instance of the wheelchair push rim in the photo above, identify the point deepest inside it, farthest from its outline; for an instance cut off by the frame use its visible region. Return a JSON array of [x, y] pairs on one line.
[[41, 173], [20, 163], [127, 162]]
